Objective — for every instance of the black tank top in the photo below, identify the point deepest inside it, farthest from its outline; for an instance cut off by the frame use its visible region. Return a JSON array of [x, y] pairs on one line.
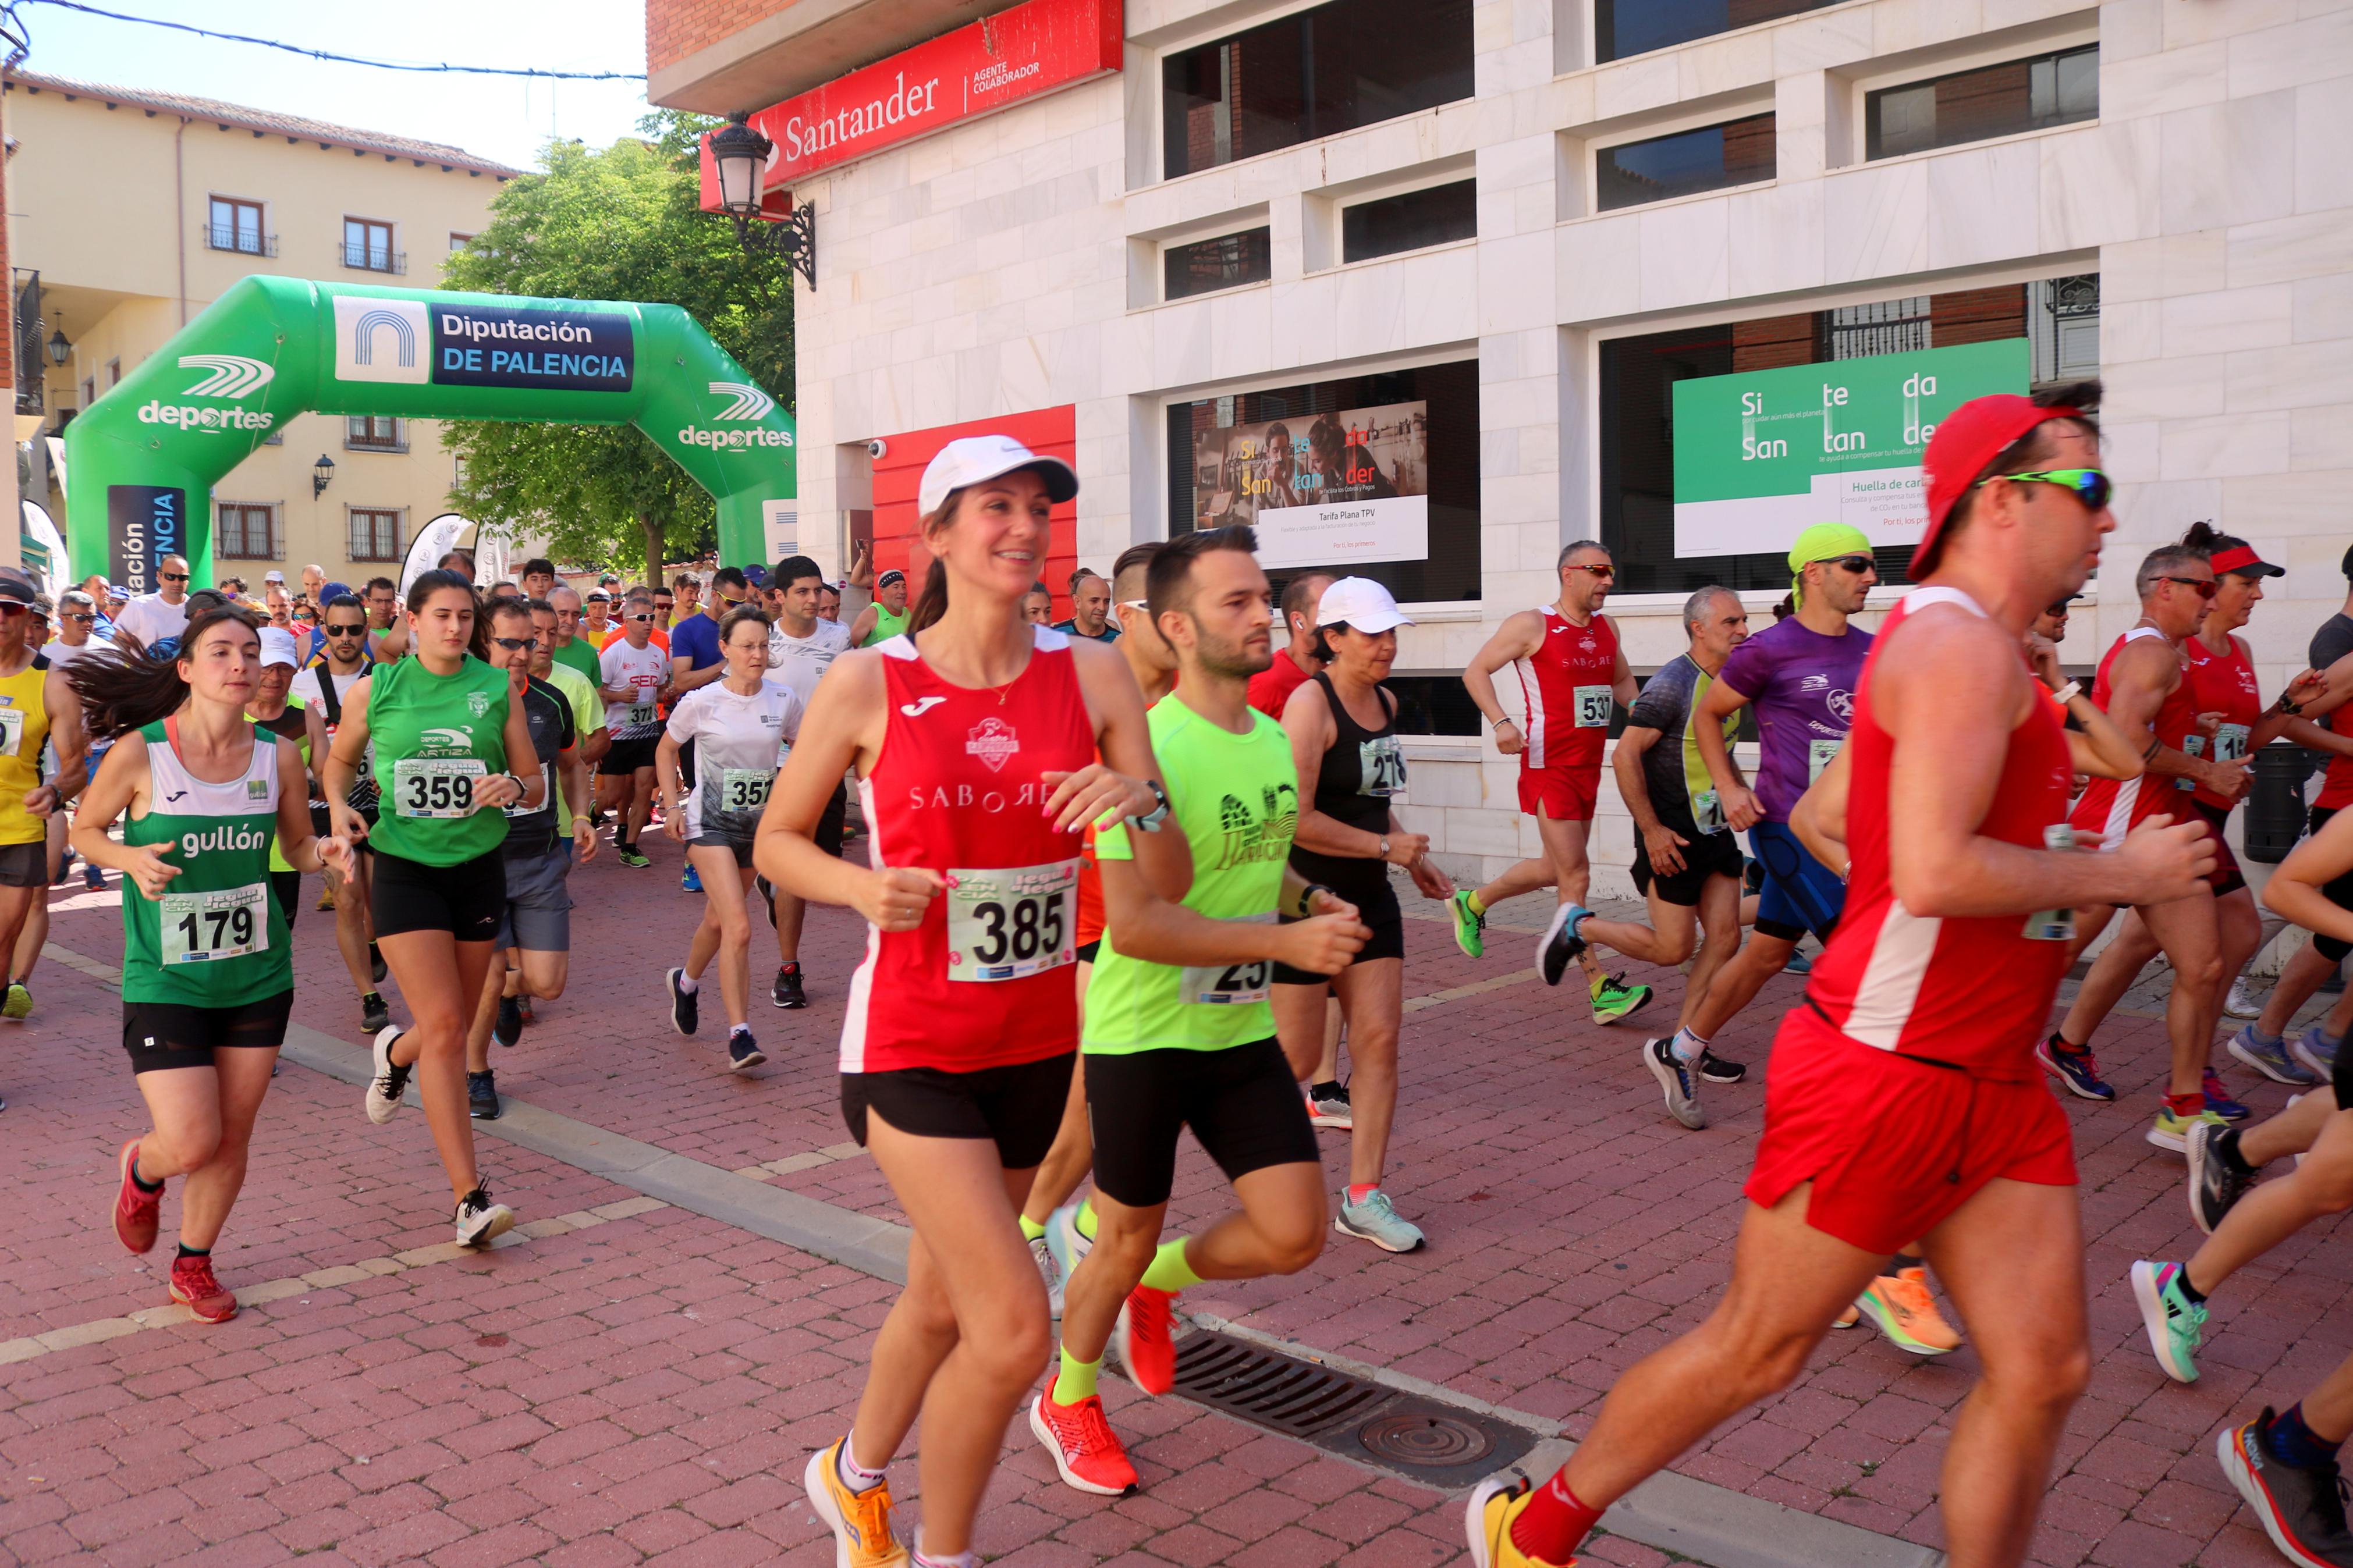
[[1361, 772]]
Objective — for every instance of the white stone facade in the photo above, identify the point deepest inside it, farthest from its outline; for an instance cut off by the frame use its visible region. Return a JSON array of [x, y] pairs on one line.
[[1007, 264]]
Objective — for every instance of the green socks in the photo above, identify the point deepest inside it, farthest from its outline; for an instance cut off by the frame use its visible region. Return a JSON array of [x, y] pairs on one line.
[[1169, 1271], [1076, 1382], [1086, 1218], [1031, 1229]]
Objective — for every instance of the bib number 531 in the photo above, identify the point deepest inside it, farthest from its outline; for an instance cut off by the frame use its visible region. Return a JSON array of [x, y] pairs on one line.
[[1007, 923]]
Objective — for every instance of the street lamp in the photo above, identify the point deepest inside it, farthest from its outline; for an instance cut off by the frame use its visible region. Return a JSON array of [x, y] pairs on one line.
[[59, 347], [322, 474], [740, 154]]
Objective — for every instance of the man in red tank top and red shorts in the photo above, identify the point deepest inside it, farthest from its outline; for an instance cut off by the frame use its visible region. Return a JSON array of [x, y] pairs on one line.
[[1904, 1099], [1572, 671]]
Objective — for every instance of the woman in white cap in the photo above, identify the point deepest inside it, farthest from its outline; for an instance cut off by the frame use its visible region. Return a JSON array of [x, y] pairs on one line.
[[1343, 729], [974, 736]]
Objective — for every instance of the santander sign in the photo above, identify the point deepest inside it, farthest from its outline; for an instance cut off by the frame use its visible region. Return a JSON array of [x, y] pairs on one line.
[[1014, 55]]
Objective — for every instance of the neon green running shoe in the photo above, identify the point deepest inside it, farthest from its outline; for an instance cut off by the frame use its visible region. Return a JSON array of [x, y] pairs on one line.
[[19, 1003], [1613, 999], [1470, 929]]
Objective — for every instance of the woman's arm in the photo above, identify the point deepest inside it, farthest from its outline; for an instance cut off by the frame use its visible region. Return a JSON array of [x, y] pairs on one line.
[[302, 848], [122, 781], [666, 774], [845, 726], [530, 789]]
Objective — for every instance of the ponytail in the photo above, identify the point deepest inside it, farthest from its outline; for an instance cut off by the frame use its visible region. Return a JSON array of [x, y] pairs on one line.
[[123, 689], [933, 602]]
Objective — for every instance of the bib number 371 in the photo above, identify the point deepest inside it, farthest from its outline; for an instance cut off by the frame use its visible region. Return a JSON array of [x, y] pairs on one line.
[[1008, 922]]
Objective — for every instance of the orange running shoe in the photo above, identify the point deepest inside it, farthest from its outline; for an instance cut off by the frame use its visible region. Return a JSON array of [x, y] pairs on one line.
[[861, 1521], [137, 1214], [1900, 1304], [1085, 1449], [1141, 1335], [193, 1287]]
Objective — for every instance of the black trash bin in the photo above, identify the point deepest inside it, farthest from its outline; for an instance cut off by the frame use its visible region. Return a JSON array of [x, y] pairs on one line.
[[2276, 803]]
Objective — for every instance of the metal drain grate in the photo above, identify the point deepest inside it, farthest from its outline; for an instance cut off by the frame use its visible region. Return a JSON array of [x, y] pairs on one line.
[[1342, 1412]]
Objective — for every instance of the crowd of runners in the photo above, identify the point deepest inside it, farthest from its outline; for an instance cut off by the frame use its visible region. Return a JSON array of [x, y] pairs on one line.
[[1143, 873]]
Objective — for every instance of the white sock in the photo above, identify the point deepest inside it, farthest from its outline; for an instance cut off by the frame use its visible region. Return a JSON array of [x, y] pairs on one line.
[[950, 1560], [1688, 1047], [739, 1029], [854, 1476], [687, 983]]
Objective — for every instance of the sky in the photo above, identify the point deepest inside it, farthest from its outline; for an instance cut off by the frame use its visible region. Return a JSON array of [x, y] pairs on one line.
[[502, 118]]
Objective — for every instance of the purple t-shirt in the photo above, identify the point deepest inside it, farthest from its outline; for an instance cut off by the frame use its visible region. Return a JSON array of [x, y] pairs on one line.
[[1802, 684]]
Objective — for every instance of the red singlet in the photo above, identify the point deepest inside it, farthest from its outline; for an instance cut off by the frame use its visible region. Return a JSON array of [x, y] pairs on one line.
[[2223, 683], [985, 981], [1567, 684], [2116, 806]]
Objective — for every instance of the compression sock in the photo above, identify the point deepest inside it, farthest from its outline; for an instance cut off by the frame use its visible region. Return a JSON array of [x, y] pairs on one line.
[[2186, 1107], [188, 1251], [1554, 1523], [1031, 1229], [2295, 1445], [2226, 1148], [854, 1476], [1169, 1270], [1471, 901], [1076, 1381], [141, 1182], [1688, 1047], [1085, 1222]]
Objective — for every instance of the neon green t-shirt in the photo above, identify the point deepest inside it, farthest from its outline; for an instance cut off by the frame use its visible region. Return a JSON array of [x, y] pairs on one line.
[[1236, 799], [587, 717]]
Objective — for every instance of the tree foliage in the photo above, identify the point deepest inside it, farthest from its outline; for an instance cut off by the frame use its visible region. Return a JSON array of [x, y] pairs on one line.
[[620, 224]]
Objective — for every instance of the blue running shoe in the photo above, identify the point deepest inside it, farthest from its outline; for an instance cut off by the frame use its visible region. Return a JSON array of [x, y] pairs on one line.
[[2268, 1055], [691, 882], [2072, 1065], [2219, 1100], [2316, 1052], [1799, 964]]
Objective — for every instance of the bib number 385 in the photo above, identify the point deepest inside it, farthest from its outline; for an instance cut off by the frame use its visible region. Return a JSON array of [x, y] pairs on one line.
[[199, 928], [1007, 923]]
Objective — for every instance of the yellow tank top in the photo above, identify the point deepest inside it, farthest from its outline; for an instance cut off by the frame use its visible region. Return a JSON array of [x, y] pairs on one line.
[[23, 725]]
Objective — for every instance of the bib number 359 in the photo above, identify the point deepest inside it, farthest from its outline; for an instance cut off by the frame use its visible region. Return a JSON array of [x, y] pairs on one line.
[[436, 786], [1007, 923]]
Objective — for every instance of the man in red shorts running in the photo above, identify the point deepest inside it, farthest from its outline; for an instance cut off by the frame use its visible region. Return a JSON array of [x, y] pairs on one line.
[[1904, 1100]]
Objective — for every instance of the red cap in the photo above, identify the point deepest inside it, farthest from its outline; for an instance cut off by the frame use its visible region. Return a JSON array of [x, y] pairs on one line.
[[2241, 559], [1971, 436]]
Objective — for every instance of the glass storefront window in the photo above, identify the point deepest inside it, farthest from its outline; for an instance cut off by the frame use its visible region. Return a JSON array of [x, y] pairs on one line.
[[1414, 221], [1738, 153], [1622, 27], [1993, 100]]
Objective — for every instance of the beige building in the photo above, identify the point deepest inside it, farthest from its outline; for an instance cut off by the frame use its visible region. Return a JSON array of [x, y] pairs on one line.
[[130, 211]]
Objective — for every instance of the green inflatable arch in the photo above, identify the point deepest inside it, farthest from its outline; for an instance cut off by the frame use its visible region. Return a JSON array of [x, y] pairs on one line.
[[140, 462]]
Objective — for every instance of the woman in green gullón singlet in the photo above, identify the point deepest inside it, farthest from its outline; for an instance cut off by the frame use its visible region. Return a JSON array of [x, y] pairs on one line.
[[444, 723], [207, 976]]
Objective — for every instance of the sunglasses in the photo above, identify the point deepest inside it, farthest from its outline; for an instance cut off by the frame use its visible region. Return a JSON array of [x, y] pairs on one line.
[[7, 609], [517, 645], [352, 630], [2206, 587], [1857, 564], [646, 616], [173, 577], [71, 616], [2090, 486], [1596, 570]]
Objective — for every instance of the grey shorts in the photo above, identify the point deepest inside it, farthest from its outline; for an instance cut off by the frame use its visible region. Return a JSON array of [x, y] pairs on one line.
[[538, 917]]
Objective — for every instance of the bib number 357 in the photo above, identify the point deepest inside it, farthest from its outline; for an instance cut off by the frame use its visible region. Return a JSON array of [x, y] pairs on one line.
[[1007, 923]]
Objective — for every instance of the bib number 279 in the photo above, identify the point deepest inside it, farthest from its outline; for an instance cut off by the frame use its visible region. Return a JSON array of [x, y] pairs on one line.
[[1007, 923]]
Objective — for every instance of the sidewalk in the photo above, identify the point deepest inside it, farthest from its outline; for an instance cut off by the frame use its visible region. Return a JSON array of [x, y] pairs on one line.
[[646, 1381]]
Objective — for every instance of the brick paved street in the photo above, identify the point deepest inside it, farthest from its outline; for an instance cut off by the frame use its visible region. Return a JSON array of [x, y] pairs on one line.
[[643, 1383]]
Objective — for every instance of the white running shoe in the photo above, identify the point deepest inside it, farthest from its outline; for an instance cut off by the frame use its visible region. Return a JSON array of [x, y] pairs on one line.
[[2239, 1005], [390, 1082], [1041, 1252], [479, 1222]]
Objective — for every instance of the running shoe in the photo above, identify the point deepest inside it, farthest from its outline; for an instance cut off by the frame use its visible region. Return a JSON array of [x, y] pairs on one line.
[[743, 1053], [1900, 1304], [690, 880], [373, 1013], [2301, 1510], [1470, 929], [377, 968], [1069, 1243], [2215, 1184], [1377, 1221], [787, 991], [193, 1287], [95, 879], [523, 1014], [1614, 999], [390, 1082], [1799, 964], [1678, 1082], [1141, 1335], [2072, 1065], [628, 854], [326, 901], [137, 1214], [1718, 1070], [1085, 1449], [508, 1029], [860, 1521], [483, 1096], [2312, 1049], [685, 1006], [1848, 1317], [1496, 1503], [2217, 1099], [2239, 1004], [66, 859], [480, 1221], [767, 891], [19, 1004], [1560, 944], [2176, 1325], [2269, 1055], [1041, 1253], [1327, 1106], [2171, 1131]]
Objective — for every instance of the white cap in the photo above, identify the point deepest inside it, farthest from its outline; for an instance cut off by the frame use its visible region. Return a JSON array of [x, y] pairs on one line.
[[1364, 604], [273, 576], [278, 648], [969, 459]]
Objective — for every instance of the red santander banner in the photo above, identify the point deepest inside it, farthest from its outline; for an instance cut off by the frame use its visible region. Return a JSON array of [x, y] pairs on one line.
[[1017, 53]]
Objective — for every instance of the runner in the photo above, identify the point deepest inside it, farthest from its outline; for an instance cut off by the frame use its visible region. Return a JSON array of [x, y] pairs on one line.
[[1178, 1030], [975, 739], [1297, 660], [278, 712], [1038, 606], [694, 662], [1904, 1100], [801, 647], [387, 627], [538, 577], [886, 617], [1571, 671], [571, 649], [575, 798], [599, 626], [152, 617], [1343, 729], [739, 727], [77, 621], [635, 679], [533, 946], [1091, 613], [208, 973], [324, 687], [444, 724], [828, 603], [35, 705]]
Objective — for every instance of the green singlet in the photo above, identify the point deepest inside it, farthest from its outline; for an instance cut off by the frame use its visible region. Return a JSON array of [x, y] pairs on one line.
[[1236, 799], [886, 625], [437, 736], [580, 655], [216, 938]]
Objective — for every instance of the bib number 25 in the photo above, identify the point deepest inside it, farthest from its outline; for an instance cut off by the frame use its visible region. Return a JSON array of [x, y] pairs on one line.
[[1008, 922]]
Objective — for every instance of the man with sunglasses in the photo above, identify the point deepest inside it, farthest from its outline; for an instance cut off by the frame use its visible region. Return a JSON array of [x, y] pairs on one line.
[[634, 680], [323, 689], [152, 617], [1572, 674]]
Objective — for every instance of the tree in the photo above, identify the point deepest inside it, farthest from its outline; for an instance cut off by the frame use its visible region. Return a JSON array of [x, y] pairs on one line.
[[620, 224]]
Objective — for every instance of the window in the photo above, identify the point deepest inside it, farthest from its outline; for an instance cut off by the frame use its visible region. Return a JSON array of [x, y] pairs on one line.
[[1992, 101], [1738, 153], [1414, 221], [113, 374], [374, 533], [248, 532], [459, 241], [374, 433], [1622, 27], [1883, 327], [235, 226], [1311, 74], [89, 390], [1228, 261], [367, 244]]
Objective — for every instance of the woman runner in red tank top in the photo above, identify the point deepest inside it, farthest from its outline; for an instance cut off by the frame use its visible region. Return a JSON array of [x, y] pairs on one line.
[[975, 735]]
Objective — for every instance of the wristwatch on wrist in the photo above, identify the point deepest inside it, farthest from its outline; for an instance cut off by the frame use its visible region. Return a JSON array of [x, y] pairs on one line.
[[1385, 846], [1150, 822], [1307, 898]]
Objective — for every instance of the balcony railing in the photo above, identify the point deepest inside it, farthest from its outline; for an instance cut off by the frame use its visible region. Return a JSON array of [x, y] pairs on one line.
[[375, 258], [244, 242]]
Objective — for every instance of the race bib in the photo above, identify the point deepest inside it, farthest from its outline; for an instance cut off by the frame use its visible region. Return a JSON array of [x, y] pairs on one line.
[[12, 732], [1380, 767], [1012, 921], [1819, 754], [229, 922], [546, 797], [1227, 984], [2230, 742], [640, 714], [440, 787], [2053, 925], [2193, 746], [1593, 706], [1707, 810], [745, 789]]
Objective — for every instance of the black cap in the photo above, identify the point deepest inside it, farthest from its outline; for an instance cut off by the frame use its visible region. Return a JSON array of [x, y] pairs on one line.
[[15, 588]]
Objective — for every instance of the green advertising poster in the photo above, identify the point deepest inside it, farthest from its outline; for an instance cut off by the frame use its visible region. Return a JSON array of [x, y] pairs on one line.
[[1760, 456]]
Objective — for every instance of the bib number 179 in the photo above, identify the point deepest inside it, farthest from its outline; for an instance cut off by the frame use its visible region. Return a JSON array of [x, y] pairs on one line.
[[1008, 922]]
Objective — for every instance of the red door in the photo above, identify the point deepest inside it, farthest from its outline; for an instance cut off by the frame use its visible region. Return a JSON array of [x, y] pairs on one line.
[[898, 480]]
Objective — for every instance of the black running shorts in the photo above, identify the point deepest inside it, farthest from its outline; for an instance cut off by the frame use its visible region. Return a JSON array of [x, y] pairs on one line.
[[625, 757], [160, 1035], [1708, 854], [1020, 1107], [1380, 912], [2339, 892], [1241, 1102], [466, 900]]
